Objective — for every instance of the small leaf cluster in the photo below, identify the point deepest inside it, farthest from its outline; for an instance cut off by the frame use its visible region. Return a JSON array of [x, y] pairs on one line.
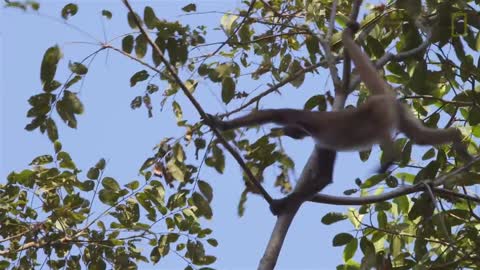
[[97, 221]]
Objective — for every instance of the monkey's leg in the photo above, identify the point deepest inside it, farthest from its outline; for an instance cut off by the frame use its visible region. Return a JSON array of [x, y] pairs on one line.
[[285, 117], [422, 135]]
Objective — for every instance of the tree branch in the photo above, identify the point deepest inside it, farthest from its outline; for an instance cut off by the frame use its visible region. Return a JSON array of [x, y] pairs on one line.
[[342, 200], [200, 110], [316, 174], [275, 87]]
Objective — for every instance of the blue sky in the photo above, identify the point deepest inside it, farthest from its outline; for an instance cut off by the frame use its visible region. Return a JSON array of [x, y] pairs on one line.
[[110, 129]]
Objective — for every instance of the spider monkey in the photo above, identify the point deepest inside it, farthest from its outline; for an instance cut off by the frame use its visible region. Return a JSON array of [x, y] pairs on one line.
[[373, 122]]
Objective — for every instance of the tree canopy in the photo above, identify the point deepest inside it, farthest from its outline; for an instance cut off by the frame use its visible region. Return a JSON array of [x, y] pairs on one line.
[[422, 215]]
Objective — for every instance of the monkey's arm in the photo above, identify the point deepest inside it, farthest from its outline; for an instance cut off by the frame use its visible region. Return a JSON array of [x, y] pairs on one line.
[[366, 69], [255, 118], [297, 123]]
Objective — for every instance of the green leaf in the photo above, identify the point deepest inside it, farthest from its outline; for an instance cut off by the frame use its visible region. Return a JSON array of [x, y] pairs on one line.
[[333, 217], [4, 264], [149, 17], [152, 88], [402, 203], [65, 160], [178, 152], [212, 242], [127, 44], [285, 62], [101, 164], [52, 130], [190, 7], [202, 205], [176, 171], [417, 82], [147, 164], [138, 77], [228, 89], [316, 101], [110, 184], [51, 86], [73, 81], [107, 14], [131, 20], [65, 112], [98, 264], [342, 239], [57, 146], [313, 47], [35, 6], [382, 219], [42, 160], [136, 102], [429, 154], [428, 172], [372, 181], [292, 71], [73, 102], [217, 160], [49, 64], [227, 22], [93, 173], [423, 207], [367, 246], [350, 249], [69, 10], [78, 68], [391, 182], [206, 190], [141, 45], [177, 110]]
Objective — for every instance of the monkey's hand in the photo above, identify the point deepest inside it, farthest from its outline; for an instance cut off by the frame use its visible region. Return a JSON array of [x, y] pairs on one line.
[[214, 122]]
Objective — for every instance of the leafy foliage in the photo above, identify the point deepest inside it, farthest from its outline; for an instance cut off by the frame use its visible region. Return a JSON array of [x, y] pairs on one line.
[[278, 44]]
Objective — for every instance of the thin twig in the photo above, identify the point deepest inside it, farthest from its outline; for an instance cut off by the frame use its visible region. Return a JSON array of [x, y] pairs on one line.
[[405, 190], [200, 110]]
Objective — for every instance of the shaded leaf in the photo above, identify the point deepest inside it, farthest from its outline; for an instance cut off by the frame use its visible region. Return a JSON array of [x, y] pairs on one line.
[[69, 10], [190, 7], [42, 160], [78, 68], [107, 14], [138, 77], [342, 239], [49, 64], [127, 44], [52, 130], [228, 89], [141, 46], [333, 217], [149, 17], [131, 20]]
